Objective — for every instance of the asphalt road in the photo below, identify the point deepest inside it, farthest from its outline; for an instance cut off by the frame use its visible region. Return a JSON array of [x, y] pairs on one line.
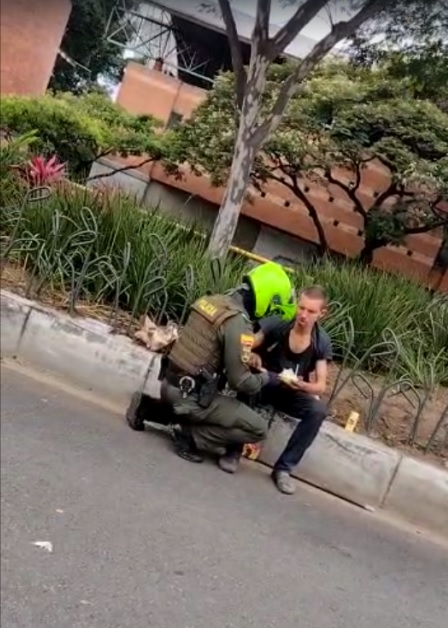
[[143, 539]]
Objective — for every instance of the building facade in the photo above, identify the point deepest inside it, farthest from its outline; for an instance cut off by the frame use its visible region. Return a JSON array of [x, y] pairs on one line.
[[30, 35]]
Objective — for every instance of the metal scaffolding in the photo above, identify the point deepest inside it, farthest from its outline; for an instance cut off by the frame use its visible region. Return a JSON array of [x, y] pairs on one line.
[[153, 35]]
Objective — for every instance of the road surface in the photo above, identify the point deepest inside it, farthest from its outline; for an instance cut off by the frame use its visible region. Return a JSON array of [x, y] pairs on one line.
[[143, 539]]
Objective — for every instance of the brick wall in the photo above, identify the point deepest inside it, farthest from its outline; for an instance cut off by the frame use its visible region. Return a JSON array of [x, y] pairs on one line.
[[30, 36]]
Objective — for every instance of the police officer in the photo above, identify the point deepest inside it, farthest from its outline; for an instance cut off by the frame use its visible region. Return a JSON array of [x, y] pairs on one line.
[[213, 349]]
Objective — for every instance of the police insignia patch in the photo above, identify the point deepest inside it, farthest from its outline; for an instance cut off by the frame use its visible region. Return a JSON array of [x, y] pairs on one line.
[[247, 342]]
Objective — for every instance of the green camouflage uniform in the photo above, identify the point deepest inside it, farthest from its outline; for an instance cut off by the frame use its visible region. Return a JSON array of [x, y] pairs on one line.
[[217, 339]]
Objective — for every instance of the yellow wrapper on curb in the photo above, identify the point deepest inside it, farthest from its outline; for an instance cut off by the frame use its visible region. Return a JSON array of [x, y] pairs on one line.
[[352, 422], [251, 451]]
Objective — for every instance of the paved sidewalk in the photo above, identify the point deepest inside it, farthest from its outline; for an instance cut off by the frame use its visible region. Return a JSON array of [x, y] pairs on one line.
[[143, 539]]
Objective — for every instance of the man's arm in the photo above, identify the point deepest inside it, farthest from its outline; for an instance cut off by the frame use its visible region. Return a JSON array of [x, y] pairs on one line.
[[259, 339], [324, 356], [319, 385], [238, 339]]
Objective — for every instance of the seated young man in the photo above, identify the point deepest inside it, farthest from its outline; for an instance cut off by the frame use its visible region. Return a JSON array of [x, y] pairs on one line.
[[303, 346]]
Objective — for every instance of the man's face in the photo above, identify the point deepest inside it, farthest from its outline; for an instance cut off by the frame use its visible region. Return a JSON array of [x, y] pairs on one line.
[[309, 312]]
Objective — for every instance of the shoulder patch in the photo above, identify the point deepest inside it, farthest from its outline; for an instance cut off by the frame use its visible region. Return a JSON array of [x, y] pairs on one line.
[[246, 342], [205, 306]]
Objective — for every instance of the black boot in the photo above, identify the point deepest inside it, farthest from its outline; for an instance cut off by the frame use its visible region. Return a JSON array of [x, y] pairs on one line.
[[135, 416], [185, 445], [231, 459]]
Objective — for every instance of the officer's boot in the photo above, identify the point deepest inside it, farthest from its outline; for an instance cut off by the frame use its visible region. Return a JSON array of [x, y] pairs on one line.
[[231, 459], [185, 445]]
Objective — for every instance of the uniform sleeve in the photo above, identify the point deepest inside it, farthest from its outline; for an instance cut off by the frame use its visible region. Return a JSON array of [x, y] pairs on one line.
[[237, 337]]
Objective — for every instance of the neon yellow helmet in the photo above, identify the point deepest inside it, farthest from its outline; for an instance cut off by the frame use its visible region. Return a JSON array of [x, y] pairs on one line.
[[272, 290]]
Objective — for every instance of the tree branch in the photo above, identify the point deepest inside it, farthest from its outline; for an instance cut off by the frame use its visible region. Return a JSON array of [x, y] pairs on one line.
[[105, 153], [261, 28], [443, 222], [340, 31], [90, 162], [286, 35], [123, 169], [391, 190], [386, 163], [351, 193], [355, 188], [312, 212], [235, 50]]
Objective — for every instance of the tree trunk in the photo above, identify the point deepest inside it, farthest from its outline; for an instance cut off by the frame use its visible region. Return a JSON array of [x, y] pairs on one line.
[[251, 135], [246, 147], [322, 248], [370, 246], [227, 220]]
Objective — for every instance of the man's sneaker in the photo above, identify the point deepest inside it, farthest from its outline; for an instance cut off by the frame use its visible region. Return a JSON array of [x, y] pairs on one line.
[[229, 463], [284, 482], [185, 445]]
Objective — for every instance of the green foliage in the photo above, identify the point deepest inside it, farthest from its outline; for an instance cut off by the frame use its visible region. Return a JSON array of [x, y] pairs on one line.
[[13, 151], [80, 128], [377, 301], [107, 250], [343, 117], [86, 44], [426, 71], [411, 38]]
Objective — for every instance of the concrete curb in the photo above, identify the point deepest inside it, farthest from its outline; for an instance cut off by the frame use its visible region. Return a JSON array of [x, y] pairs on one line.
[[419, 494], [354, 467], [83, 350], [349, 465]]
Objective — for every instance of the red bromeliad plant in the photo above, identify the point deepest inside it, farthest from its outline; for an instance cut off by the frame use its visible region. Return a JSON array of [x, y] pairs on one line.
[[39, 171]]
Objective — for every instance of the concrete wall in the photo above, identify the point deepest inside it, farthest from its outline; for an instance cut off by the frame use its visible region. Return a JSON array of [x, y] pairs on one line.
[[171, 201], [283, 247], [191, 208], [30, 35]]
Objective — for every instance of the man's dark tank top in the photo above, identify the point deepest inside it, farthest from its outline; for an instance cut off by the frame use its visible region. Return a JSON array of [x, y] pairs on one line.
[[278, 356]]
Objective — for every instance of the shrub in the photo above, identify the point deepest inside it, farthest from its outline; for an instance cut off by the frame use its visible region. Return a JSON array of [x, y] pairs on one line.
[[79, 129], [38, 171], [377, 301], [14, 151], [107, 250]]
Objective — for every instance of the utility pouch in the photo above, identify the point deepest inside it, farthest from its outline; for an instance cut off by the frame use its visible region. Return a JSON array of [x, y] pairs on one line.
[[208, 389]]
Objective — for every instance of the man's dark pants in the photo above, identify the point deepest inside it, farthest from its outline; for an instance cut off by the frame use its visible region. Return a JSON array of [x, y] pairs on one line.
[[299, 405]]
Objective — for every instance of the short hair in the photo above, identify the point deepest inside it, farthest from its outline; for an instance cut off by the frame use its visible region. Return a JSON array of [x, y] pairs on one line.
[[315, 292]]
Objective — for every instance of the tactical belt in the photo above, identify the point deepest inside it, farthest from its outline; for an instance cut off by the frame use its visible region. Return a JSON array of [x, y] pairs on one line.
[[187, 384], [176, 379], [204, 388]]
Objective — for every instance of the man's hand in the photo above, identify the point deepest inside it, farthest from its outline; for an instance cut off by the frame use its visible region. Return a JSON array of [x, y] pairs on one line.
[[295, 384], [255, 362]]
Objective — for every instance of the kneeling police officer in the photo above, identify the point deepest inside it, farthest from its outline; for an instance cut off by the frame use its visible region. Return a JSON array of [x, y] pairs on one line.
[[214, 349]]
